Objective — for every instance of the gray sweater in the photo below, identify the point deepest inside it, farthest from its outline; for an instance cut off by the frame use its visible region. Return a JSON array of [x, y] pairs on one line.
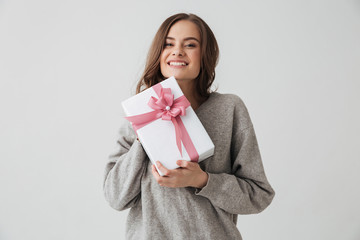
[[237, 183]]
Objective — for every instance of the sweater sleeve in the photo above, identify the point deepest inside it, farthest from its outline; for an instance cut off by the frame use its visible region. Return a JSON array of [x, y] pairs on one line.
[[246, 190], [123, 172]]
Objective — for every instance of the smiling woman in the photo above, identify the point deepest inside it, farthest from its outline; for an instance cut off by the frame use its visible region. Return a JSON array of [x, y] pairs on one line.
[[196, 200], [181, 55]]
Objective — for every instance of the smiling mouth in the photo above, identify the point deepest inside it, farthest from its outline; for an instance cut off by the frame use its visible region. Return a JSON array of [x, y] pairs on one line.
[[177, 63]]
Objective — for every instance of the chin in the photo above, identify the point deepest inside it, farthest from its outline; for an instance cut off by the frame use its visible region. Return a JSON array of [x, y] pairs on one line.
[[183, 78], [179, 76]]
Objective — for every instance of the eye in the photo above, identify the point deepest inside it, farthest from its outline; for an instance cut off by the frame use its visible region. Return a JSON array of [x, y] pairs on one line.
[[167, 44], [191, 45]]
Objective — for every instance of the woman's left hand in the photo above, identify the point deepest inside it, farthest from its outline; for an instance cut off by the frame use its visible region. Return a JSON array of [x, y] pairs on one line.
[[188, 175]]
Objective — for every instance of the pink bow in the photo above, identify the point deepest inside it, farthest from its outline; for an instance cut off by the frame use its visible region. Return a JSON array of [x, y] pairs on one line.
[[168, 109]]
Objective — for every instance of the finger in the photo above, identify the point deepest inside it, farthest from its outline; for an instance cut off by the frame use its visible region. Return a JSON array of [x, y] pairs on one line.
[[184, 163], [155, 173], [163, 169]]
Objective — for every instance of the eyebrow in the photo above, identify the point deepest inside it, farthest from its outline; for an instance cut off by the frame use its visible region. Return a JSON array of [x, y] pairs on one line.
[[188, 38]]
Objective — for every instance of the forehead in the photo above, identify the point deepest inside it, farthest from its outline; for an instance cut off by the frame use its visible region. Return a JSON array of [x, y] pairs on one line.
[[184, 29]]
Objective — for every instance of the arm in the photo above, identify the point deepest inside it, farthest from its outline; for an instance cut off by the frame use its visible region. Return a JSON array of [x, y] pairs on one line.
[[123, 172], [246, 190]]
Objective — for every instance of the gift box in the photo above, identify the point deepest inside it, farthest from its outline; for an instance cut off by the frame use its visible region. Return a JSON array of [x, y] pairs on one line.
[[167, 126]]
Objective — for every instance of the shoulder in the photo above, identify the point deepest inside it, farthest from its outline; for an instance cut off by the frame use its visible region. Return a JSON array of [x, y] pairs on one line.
[[229, 101], [231, 105], [126, 131], [229, 98]]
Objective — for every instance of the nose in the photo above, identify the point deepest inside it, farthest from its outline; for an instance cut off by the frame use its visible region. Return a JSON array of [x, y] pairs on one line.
[[178, 51]]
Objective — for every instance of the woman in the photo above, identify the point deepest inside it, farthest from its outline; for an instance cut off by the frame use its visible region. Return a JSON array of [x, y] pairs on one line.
[[196, 200]]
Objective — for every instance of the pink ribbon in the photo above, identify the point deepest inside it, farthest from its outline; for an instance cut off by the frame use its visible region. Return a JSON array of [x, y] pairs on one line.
[[168, 109]]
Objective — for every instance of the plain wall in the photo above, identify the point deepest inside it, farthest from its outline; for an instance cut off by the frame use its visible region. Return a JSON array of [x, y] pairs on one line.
[[65, 66]]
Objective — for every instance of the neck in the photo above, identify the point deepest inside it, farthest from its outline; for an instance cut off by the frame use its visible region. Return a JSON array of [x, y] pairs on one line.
[[188, 88]]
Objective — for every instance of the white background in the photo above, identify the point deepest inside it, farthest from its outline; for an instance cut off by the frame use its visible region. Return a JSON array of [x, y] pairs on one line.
[[65, 66]]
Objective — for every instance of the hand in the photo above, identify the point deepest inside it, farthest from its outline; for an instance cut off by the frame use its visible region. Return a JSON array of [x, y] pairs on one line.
[[188, 175]]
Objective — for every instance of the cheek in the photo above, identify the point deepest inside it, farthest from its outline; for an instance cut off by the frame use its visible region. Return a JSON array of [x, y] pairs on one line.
[[196, 55], [162, 61], [197, 58], [163, 57]]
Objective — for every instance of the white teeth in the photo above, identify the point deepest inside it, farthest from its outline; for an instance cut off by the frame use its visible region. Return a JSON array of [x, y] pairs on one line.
[[177, 64]]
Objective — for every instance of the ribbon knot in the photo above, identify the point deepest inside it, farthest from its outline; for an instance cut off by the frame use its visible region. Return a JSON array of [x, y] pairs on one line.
[[169, 109]]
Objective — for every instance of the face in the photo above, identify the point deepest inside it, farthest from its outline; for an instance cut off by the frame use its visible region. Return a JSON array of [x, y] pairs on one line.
[[181, 55]]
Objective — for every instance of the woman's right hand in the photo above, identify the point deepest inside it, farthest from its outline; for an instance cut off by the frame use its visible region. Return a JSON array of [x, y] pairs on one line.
[[188, 175]]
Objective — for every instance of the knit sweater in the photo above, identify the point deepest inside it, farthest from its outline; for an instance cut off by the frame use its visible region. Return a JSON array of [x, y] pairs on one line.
[[237, 183]]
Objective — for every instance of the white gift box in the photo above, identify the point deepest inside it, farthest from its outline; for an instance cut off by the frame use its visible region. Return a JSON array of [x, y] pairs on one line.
[[158, 138]]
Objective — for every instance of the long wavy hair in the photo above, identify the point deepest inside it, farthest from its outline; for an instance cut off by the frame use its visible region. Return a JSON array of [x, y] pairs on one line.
[[209, 55]]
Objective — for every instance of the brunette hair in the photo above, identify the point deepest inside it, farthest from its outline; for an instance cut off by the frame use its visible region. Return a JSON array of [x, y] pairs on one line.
[[209, 55]]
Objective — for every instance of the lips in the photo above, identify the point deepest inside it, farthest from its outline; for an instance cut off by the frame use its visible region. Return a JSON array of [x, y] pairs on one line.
[[177, 63]]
